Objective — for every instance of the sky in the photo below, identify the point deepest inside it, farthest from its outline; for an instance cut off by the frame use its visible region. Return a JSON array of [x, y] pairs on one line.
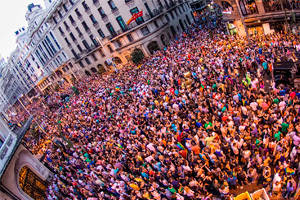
[[12, 18]]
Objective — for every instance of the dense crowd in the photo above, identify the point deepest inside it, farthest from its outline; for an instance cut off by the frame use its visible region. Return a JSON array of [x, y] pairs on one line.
[[198, 120]]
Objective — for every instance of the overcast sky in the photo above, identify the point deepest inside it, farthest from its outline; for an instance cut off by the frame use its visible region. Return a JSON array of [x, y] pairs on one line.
[[12, 18]]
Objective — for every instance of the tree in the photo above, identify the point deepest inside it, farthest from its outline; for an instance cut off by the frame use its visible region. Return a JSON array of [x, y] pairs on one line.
[[137, 56]]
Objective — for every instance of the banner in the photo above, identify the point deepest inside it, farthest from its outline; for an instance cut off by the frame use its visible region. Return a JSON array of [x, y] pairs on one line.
[[135, 16]]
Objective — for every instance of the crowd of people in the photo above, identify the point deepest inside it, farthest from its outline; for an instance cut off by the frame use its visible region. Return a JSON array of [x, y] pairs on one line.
[[198, 120]]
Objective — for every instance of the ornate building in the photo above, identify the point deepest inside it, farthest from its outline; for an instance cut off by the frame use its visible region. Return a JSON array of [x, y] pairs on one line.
[[95, 34], [22, 176]]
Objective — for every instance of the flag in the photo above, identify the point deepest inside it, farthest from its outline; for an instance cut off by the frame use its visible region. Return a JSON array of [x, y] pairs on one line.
[[290, 171], [180, 146], [135, 16]]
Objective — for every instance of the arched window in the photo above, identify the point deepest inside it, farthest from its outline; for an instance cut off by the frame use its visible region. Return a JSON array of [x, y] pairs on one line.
[[117, 60], [31, 184], [94, 70], [153, 46]]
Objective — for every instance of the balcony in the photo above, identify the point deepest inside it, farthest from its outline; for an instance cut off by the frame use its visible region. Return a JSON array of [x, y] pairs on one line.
[[87, 51]]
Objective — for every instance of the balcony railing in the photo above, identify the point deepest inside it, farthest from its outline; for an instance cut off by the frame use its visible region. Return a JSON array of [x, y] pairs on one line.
[[87, 51]]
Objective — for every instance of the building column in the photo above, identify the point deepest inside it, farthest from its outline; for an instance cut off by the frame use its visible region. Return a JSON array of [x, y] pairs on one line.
[[260, 6]]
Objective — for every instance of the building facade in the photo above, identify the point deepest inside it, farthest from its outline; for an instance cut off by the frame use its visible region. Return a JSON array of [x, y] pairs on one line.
[[261, 16], [22, 176], [71, 38], [95, 34], [10, 85], [45, 56]]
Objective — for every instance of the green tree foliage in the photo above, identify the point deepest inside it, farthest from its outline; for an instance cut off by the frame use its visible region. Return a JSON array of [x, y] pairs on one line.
[[137, 56]]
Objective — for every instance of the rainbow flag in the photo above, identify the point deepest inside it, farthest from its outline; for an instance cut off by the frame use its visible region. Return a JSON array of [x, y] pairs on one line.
[[289, 171], [180, 146]]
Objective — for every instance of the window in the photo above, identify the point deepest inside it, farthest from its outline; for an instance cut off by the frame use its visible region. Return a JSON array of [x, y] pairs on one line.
[[155, 23], [180, 11], [72, 37], [66, 25], [64, 55], [50, 43], [52, 36], [85, 26], [112, 5], [61, 31], [110, 49], [176, 12], [248, 7], [55, 21], [79, 48], [71, 65], [172, 14], [81, 64], [87, 61], [65, 7], [139, 20], [111, 29], [100, 32], [95, 42], [71, 19], [121, 23], [129, 37], [31, 184], [118, 44], [74, 53], [95, 2], [94, 57], [101, 53], [159, 3], [145, 31], [167, 18], [47, 49], [78, 13], [86, 45], [85, 6], [71, 2], [93, 19], [79, 32], [59, 14], [102, 13]]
